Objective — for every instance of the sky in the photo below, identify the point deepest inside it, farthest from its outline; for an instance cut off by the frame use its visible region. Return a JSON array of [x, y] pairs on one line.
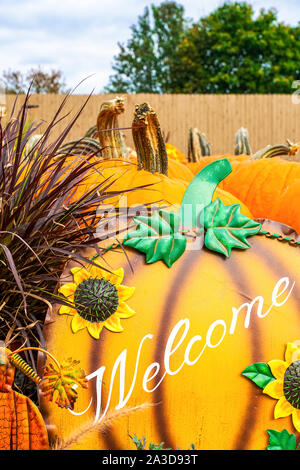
[[80, 37]]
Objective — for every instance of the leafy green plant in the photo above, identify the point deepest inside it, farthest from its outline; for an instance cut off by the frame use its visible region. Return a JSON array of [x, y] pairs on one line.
[[141, 444]]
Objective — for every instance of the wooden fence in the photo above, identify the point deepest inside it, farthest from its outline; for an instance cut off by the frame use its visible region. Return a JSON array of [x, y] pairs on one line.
[[270, 119]]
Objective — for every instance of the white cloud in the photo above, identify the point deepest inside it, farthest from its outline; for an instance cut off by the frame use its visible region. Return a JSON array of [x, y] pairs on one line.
[[80, 37]]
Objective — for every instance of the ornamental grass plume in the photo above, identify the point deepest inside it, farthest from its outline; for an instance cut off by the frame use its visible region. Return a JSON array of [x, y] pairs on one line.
[[41, 226], [100, 427]]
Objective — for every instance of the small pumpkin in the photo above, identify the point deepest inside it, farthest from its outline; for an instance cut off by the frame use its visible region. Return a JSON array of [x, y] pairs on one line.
[[21, 424]]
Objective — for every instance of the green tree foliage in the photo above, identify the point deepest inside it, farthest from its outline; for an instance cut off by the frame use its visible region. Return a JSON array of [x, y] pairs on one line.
[[145, 63], [231, 50]]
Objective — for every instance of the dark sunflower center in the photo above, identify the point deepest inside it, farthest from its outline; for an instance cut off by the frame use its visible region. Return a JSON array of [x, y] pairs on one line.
[[96, 299], [291, 384]]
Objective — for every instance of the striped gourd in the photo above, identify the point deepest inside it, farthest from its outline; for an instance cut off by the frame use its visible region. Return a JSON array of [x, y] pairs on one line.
[[84, 146], [92, 132], [205, 401]]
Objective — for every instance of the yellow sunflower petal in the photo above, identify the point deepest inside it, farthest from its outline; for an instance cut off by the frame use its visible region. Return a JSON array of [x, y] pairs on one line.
[[66, 310], [79, 275], [274, 389], [296, 419], [282, 408], [115, 277], [125, 292], [124, 311], [292, 352], [113, 324], [95, 329], [68, 290], [278, 368], [97, 272], [78, 323]]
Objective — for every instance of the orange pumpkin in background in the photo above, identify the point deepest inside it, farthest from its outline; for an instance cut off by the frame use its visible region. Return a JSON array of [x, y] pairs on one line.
[[174, 153], [268, 187], [165, 180], [260, 184], [288, 209]]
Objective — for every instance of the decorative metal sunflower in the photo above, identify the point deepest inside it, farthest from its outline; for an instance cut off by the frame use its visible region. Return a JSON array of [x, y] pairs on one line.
[[281, 380], [286, 386], [96, 299]]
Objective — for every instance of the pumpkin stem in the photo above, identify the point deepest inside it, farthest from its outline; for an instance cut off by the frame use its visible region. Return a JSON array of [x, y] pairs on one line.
[[18, 362], [148, 140], [271, 151], [110, 137], [241, 142], [198, 145]]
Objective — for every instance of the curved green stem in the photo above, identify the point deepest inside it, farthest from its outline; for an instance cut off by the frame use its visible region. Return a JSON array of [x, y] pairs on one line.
[[200, 191]]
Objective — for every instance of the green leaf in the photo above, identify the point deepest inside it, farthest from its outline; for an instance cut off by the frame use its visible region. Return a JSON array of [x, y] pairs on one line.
[[140, 444], [158, 237], [158, 446], [281, 440], [227, 228], [260, 373]]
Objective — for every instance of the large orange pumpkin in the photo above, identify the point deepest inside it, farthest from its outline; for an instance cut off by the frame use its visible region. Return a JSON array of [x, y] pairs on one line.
[[196, 327], [180, 335]]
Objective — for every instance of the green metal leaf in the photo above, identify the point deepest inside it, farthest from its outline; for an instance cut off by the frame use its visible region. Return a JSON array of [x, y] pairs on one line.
[[281, 440], [227, 228], [260, 373], [158, 237]]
